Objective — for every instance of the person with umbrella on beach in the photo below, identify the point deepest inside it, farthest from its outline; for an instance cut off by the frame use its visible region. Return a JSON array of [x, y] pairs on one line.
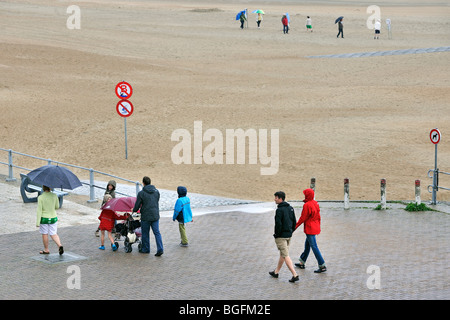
[[259, 17], [340, 27], [242, 18]]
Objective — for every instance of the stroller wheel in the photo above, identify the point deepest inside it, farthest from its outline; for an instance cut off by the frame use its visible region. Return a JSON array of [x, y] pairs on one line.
[[127, 245]]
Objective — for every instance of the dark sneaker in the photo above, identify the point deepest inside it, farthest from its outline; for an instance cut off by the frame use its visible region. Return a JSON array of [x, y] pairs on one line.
[[159, 253], [320, 270], [273, 274], [293, 279], [300, 265]]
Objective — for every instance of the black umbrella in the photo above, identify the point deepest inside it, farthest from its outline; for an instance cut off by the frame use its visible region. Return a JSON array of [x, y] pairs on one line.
[[338, 19], [54, 177]]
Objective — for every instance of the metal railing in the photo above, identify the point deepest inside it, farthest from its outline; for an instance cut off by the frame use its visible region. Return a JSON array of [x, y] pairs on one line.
[[435, 186], [91, 184]]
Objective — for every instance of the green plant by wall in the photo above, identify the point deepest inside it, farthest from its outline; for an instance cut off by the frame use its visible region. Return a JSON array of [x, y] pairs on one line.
[[413, 206]]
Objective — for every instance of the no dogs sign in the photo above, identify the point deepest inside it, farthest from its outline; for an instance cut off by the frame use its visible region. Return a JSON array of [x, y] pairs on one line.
[[435, 136]]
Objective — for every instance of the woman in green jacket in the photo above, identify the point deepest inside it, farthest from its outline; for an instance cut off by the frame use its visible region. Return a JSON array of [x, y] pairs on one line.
[[47, 220]]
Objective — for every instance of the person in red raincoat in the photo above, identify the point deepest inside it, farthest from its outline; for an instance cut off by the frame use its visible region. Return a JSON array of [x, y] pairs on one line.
[[285, 22], [107, 220], [310, 218]]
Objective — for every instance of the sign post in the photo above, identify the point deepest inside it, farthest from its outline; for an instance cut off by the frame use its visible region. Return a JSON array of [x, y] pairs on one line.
[[435, 137], [124, 107]]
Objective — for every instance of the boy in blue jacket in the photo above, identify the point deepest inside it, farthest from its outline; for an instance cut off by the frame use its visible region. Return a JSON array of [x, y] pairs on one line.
[[182, 213]]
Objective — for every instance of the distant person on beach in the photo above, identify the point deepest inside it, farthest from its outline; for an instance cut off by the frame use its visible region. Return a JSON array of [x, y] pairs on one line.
[[182, 213], [310, 218], [284, 226], [308, 24], [242, 18], [377, 27], [341, 29], [259, 19], [111, 190], [285, 22], [47, 220], [107, 221], [147, 201]]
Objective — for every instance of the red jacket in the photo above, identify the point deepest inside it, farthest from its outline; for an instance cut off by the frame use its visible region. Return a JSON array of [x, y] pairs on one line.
[[107, 219], [310, 214], [284, 21]]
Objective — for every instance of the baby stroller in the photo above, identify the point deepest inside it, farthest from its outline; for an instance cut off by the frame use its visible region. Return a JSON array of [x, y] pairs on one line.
[[130, 229]]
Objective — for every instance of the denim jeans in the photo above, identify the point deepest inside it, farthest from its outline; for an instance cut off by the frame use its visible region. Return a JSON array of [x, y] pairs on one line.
[[145, 227], [310, 243]]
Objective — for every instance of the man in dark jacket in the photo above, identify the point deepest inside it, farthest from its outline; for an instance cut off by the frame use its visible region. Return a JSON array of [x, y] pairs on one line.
[[148, 201], [284, 226], [340, 28]]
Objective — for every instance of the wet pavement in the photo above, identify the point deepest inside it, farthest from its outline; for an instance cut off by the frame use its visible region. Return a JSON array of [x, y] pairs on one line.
[[370, 254]]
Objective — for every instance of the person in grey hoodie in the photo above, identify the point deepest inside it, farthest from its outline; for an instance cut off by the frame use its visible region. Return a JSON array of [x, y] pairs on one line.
[[147, 201]]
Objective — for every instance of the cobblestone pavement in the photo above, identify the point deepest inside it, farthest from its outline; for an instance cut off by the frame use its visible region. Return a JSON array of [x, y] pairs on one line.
[[231, 250]]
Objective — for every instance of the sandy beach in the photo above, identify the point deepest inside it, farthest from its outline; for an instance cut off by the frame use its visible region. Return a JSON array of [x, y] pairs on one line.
[[188, 61]]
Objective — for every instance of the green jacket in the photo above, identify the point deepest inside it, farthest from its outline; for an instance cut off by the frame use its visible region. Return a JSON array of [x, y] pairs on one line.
[[46, 211]]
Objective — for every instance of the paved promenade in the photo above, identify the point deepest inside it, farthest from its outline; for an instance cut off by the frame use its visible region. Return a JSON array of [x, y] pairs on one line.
[[231, 250]]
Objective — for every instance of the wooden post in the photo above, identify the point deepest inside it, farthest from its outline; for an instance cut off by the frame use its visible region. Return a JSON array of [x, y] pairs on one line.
[[346, 194]]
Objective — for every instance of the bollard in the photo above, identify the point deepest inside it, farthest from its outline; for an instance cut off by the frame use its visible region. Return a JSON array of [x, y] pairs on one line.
[[312, 185], [137, 188], [383, 194], [10, 167], [346, 194], [418, 201], [91, 187]]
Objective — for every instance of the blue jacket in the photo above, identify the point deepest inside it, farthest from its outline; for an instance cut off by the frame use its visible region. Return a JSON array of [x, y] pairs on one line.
[[182, 211]]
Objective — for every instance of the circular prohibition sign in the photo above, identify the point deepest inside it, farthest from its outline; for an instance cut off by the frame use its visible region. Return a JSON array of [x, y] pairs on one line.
[[124, 108], [435, 136], [124, 90]]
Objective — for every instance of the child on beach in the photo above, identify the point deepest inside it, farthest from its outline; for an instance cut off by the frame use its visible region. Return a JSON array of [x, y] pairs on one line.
[[308, 24], [377, 27], [107, 220], [182, 213]]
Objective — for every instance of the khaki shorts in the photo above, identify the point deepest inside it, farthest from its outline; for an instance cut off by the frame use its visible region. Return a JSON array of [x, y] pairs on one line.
[[283, 246]]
